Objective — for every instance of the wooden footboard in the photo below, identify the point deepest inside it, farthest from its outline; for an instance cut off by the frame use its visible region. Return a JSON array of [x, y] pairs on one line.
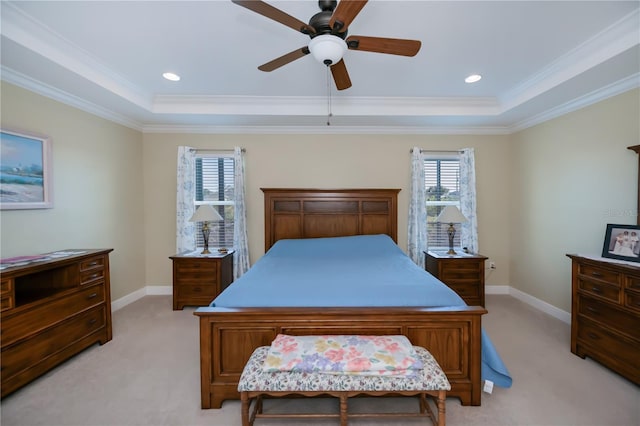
[[228, 337]]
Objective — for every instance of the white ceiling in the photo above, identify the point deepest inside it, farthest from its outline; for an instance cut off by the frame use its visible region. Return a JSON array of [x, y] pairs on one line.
[[538, 59]]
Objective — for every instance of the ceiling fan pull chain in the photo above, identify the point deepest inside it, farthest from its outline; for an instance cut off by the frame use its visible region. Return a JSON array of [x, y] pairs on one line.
[[329, 98]]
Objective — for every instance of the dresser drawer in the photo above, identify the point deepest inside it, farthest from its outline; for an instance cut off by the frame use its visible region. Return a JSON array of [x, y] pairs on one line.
[[593, 272], [96, 262], [632, 300], [22, 356], [31, 322], [91, 276], [623, 350], [597, 289], [6, 286], [610, 316], [633, 283], [6, 302]]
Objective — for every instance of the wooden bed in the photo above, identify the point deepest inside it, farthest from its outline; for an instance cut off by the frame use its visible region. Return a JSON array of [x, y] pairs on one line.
[[228, 336]]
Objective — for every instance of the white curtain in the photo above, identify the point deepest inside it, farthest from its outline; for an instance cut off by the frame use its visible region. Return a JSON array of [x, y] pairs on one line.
[[417, 227], [469, 234], [240, 240], [185, 230]]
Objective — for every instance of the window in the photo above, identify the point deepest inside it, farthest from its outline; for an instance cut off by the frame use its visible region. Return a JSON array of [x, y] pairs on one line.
[[442, 185], [215, 186]]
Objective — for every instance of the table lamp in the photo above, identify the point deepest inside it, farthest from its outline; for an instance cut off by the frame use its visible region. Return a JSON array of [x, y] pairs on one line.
[[205, 214], [451, 215]]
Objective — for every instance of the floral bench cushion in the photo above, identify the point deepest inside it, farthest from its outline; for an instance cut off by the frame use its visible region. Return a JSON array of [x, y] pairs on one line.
[[254, 378], [344, 354]]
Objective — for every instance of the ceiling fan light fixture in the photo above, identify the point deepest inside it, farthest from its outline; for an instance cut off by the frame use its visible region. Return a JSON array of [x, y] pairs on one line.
[[327, 49]]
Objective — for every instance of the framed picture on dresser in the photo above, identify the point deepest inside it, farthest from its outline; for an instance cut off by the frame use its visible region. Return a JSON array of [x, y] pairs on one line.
[[622, 242]]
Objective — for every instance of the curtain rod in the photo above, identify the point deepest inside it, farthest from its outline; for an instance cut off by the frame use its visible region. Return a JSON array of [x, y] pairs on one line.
[[435, 151], [216, 150]]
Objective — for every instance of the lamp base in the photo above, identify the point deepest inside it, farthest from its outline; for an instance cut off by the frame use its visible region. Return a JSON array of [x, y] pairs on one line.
[[451, 251], [205, 251]]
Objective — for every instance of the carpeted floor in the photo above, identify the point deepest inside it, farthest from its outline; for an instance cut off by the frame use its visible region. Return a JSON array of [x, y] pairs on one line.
[[149, 375]]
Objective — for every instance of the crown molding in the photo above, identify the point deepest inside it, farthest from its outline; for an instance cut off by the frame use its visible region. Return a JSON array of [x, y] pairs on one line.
[[613, 89], [28, 83], [342, 130], [613, 40], [33, 35], [317, 105]]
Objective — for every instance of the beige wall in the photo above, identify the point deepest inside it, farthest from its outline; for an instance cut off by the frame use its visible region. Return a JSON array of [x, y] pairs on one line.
[[571, 176], [322, 161], [97, 193], [543, 192]]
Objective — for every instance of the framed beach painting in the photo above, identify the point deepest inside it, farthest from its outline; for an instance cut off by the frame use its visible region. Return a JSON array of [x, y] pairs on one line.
[[622, 242], [25, 171]]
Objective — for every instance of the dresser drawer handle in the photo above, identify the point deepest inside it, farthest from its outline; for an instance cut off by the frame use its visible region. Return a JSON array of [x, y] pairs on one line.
[[94, 263], [197, 289], [91, 296], [593, 336], [592, 310], [96, 275], [92, 321], [596, 289], [596, 274]]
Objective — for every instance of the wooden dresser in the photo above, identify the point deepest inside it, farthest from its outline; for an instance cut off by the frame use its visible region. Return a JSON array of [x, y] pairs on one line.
[[605, 313], [197, 280], [51, 310], [463, 273]]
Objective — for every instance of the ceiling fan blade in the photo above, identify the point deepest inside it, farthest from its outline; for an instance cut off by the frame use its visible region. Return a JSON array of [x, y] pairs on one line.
[[345, 13], [277, 15], [393, 46], [284, 59], [340, 75]]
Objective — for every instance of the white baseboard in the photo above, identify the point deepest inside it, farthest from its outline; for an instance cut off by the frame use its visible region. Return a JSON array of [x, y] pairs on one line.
[[541, 305], [150, 290]]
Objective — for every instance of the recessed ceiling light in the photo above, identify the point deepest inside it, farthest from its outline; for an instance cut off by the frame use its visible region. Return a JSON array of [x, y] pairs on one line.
[[171, 76], [473, 78]]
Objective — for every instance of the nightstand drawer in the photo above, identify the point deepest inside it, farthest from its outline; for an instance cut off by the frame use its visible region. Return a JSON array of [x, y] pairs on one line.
[[454, 274], [465, 290], [196, 268], [196, 291]]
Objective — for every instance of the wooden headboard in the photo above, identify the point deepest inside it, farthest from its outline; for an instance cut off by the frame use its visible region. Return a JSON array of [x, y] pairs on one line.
[[314, 213]]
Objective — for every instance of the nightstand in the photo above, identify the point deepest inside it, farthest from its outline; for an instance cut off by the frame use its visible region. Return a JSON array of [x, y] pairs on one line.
[[198, 279], [462, 272]]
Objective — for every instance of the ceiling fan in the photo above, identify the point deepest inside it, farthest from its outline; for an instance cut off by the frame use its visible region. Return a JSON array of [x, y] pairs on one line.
[[328, 32]]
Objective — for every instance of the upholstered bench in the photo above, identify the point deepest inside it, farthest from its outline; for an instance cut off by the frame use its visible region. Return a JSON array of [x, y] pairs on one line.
[[256, 381]]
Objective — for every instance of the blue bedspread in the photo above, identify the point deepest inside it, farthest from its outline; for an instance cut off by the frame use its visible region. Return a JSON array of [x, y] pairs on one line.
[[365, 270]]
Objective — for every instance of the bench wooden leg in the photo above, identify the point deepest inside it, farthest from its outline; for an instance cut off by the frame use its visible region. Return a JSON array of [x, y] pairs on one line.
[[244, 406], [442, 399], [343, 410]]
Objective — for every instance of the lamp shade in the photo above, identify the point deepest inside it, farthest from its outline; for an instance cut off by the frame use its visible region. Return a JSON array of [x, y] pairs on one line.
[[205, 213], [451, 214], [327, 48]]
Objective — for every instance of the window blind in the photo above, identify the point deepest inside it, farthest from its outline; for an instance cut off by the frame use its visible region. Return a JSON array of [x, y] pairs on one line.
[[215, 186]]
